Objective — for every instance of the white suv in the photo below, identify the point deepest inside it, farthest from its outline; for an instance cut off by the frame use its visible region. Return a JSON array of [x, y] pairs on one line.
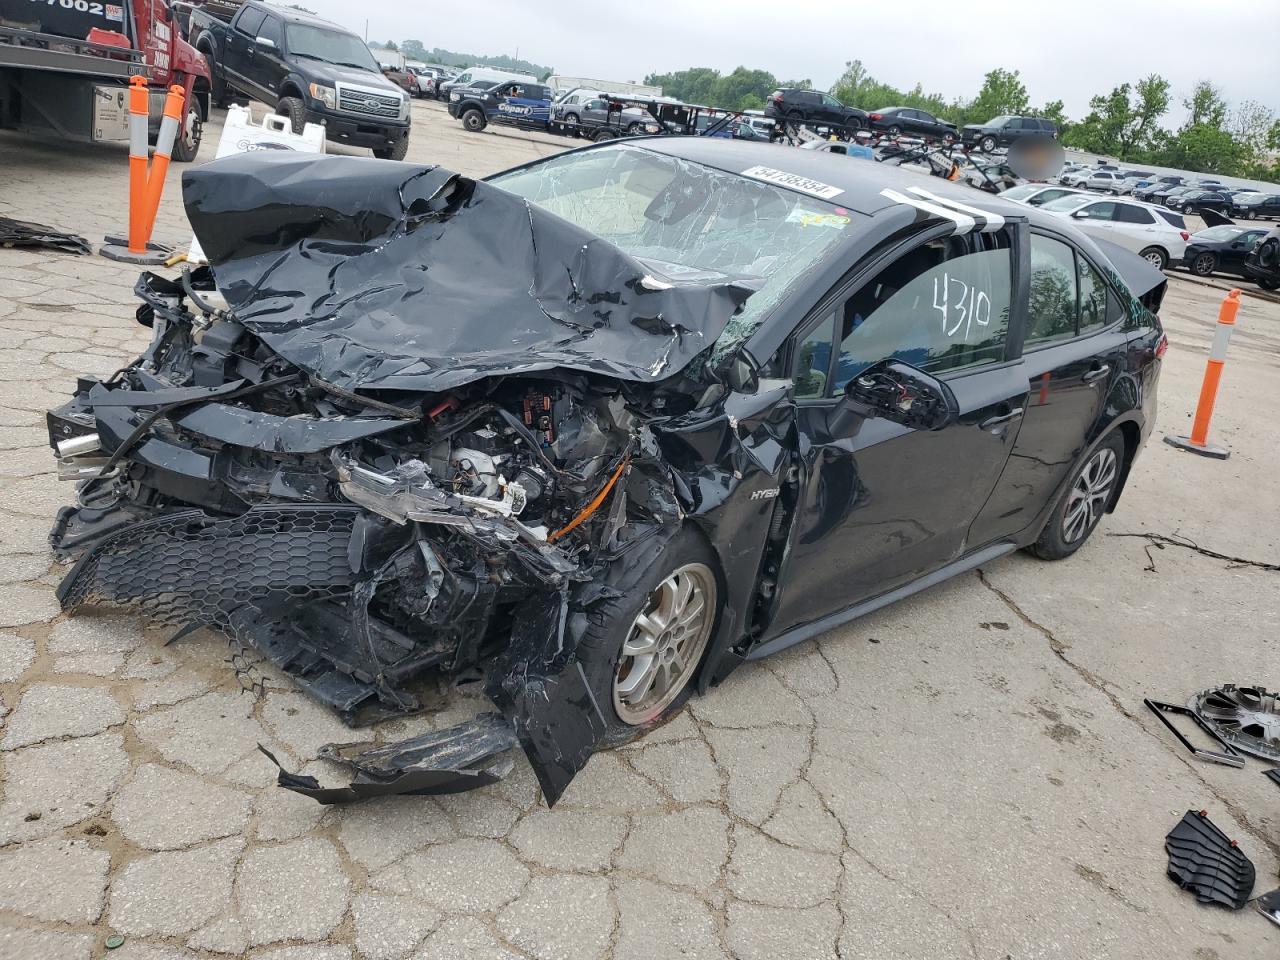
[[1152, 232]]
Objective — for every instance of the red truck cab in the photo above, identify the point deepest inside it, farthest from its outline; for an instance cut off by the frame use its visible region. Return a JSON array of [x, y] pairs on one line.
[[64, 67]]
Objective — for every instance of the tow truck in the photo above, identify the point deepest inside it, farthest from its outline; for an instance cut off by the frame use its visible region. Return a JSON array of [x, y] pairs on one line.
[[667, 117], [65, 69]]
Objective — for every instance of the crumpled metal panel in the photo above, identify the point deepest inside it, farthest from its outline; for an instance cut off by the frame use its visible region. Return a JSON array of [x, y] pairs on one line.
[[403, 277]]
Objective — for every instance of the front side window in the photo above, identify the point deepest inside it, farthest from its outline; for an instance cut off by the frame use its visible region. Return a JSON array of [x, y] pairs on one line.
[[813, 361], [1099, 211], [940, 307]]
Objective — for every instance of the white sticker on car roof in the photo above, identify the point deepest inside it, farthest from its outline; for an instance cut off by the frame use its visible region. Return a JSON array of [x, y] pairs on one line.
[[815, 188]]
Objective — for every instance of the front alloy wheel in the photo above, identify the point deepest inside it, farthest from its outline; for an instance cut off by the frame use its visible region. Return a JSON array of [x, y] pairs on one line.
[[1204, 265], [665, 644], [1090, 495]]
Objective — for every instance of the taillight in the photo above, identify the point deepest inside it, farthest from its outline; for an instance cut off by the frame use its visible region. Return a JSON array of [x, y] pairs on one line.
[[875, 116], [1184, 235], [1163, 346], [776, 98]]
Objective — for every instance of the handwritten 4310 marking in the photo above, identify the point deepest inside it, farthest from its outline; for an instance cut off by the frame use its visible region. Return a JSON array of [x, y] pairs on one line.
[[971, 307]]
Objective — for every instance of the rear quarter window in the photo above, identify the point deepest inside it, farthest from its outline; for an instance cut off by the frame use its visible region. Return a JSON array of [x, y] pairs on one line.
[[1173, 219]]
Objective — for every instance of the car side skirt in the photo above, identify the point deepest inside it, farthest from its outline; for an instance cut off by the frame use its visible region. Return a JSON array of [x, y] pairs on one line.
[[806, 631]]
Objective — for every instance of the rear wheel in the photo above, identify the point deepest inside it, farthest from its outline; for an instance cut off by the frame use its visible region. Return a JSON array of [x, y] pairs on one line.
[[603, 135], [571, 119], [1267, 284], [895, 131], [987, 144], [295, 110], [1089, 494], [641, 651], [948, 138], [1204, 265], [635, 129], [1156, 257], [473, 120]]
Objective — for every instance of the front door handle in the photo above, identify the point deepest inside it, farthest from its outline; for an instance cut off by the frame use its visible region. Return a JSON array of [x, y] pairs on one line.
[[1096, 373], [1002, 418]]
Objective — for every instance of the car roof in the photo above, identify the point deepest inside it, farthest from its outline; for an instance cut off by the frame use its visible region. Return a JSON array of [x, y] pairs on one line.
[[291, 15], [861, 181]]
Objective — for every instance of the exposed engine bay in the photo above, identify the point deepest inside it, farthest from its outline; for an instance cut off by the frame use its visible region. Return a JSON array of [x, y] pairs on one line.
[[368, 535]]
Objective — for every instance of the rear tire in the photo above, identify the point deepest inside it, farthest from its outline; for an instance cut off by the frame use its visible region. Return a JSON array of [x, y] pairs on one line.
[[1156, 257], [295, 110], [1091, 491], [1269, 284], [894, 131], [571, 119], [613, 646]]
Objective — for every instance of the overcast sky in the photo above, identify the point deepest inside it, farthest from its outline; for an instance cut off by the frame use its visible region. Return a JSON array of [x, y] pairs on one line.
[[1064, 50]]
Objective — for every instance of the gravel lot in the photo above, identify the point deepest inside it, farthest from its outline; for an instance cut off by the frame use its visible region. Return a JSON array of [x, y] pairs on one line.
[[969, 773]]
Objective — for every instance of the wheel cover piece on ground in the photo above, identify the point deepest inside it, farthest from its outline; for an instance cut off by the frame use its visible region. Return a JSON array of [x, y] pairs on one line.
[[1248, 718], [664, 644], [1089, 495]]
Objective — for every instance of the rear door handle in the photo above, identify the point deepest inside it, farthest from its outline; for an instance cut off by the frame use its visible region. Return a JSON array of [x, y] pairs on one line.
[[1096, 373], [1002, 418]]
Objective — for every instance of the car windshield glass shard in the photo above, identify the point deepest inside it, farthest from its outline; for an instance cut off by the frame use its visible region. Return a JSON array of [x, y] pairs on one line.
[[331, 46], [689, 221]]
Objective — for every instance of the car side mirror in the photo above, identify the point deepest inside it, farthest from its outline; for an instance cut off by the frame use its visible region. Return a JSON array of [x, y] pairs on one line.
[[894, 391], [1079, 214], [266, 42], [739, 371]]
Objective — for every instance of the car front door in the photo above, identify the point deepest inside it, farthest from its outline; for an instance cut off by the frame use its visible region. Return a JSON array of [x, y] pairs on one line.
[[1073, 351], [267, 68], [830, 110], [1231, 258], [890, 504]]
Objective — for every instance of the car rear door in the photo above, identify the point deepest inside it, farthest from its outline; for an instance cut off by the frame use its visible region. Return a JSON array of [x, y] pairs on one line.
[[237, 61], [267, 67], [1074, 350], [890, 504]]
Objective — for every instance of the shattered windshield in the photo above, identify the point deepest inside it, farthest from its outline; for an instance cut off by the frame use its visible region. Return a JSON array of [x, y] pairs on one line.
[[689, 222]]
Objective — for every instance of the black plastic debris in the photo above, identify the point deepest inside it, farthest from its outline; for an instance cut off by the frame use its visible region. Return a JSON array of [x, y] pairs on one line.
[[19, 233], [1227, 758], [1269, 906], [1273, 774], [470, 755], [1208, 863]]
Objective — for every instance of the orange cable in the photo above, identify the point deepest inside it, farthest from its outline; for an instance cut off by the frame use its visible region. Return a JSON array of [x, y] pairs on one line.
[[594, 505]]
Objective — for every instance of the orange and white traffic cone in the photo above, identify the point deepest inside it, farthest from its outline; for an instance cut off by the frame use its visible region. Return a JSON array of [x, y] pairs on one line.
[[1198, 442], [146, 184]]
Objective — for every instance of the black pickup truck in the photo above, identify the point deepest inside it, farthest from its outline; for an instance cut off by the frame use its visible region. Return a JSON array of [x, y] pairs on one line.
[[312, 70]]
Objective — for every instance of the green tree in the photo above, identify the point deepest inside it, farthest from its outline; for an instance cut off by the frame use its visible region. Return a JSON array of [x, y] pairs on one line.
[[391, 45], [1125, 122], [1054, 111], [413, 50], [1002, 93], [1206, 106], [857, 88]]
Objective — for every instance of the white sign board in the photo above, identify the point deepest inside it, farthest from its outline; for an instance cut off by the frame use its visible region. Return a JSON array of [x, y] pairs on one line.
[[110, 113], [241, 135]]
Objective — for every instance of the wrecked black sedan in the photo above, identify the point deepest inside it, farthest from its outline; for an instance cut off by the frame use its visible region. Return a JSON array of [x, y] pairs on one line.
[[594, 431]]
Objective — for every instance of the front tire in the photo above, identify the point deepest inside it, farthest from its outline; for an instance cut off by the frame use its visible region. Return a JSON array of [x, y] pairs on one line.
[[1204, 265], [393, 153], [1156, 257], [295, 110], [473, 120], [894, 131], [642, 649], [187, 144], [987, 144], [1089, 494]]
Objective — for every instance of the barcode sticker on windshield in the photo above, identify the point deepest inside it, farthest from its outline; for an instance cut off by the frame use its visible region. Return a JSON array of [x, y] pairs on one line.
[[815, 188]]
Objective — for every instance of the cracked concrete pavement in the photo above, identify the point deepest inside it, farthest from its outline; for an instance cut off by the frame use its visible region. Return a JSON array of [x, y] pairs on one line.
[[969, 773]]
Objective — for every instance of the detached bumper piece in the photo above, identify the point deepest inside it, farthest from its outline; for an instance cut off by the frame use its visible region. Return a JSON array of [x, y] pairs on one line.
[[470, 755], [19, 233], [1205, 861]]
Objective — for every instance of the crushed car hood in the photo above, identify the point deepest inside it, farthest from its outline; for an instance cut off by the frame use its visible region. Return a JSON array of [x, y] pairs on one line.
[[381, 275]]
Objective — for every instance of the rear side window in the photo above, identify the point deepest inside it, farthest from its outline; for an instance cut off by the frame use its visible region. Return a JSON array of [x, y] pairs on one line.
[[1093, 298], [1127, 213], [941, 307], [1052, 308], [250, 20], [1173, 219]]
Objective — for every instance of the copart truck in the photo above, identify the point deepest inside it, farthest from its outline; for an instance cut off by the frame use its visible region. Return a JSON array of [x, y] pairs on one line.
[[309, 69], [65, 67]]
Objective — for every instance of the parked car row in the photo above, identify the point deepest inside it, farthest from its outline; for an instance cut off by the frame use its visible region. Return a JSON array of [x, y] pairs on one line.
[[1172, 191]]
